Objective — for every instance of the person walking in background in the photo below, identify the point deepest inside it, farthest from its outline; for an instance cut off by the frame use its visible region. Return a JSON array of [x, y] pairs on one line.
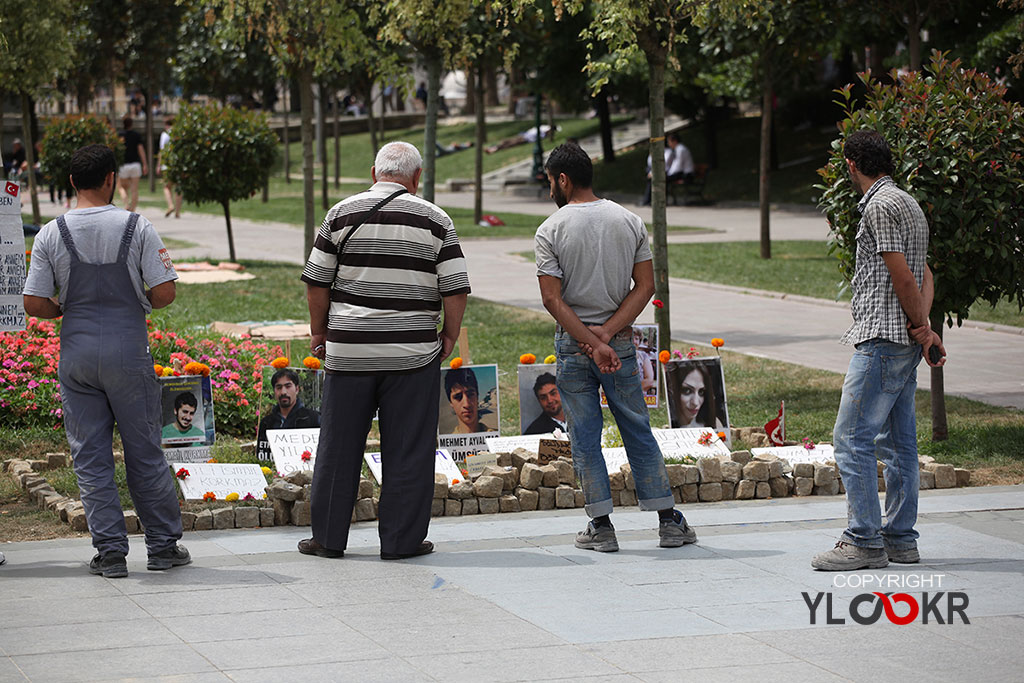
[[595, 308], [100, 259], [134, 166], [384, 265], [892, 297], [173, 198]]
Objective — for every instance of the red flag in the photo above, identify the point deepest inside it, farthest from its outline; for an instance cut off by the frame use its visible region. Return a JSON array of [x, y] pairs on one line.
[[776, 429], [12, 189]]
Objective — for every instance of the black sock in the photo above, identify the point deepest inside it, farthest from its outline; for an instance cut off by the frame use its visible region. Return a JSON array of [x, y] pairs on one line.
[[667, 515], [601, 521]]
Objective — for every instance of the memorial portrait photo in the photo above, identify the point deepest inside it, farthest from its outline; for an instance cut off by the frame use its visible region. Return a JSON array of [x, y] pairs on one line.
[[540, 405], [696, 393], [185, 412], [469, 400], [289, 399]]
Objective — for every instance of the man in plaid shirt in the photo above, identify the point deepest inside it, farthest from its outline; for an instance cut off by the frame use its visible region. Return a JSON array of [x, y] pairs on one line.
[[892, 296]]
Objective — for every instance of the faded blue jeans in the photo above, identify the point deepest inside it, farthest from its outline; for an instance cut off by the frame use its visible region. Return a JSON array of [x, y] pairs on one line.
[[578, 380], [876, 422]]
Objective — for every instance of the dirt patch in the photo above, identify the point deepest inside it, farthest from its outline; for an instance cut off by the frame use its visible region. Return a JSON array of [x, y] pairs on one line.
[[1004, 475]]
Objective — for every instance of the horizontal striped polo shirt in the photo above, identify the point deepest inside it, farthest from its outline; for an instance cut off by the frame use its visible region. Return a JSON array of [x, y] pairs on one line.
[[386, 287]]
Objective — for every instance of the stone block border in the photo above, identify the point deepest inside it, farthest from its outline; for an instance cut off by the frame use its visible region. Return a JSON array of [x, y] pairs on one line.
[[518, 482]]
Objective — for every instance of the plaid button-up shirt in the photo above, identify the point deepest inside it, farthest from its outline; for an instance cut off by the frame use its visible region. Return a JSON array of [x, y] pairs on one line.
[[890, 221]]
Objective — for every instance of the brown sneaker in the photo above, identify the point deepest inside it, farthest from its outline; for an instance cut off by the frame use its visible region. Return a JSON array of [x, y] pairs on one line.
[[309, 546], [845, 557]]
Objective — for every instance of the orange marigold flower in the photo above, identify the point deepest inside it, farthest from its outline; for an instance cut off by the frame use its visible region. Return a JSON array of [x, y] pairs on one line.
[[721, 435], [196, 368], [455, 363], [718, 343], [454, 482], [213, 460], [279, 362], [664, 356], [311, 362], [158, 369], [527, 359], [209, 495]]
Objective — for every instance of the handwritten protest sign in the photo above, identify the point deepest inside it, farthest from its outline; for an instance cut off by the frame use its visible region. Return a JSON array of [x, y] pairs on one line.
[[476, 462], [553, 449], [12, 258], [822, 452], [443, 464], [507, 444], [221, 479], [293, 449], [693, 441]]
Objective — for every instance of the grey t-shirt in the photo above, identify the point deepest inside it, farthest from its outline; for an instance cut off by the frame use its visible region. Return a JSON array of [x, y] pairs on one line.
[[592, 249], [97, 233]]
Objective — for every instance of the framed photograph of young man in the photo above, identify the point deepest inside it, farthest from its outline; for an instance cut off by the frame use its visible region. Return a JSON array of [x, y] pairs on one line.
[[187, 430], [540, 405], [468, 408], [289, 399], [696, 394]]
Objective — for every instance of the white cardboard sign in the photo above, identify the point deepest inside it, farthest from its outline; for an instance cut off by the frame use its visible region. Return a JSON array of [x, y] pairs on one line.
[[822, 452], [12, 258], [507, 444], [476, 462], [221, 479], [443, 464], [677, 443], [288, 445]]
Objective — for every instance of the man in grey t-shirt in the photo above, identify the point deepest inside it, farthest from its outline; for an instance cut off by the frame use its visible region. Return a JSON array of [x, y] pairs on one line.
[[595, 274], [98, 259]]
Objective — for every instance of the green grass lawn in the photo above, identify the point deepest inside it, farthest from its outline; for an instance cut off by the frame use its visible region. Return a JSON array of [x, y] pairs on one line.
[[796, 267], [801, 153]]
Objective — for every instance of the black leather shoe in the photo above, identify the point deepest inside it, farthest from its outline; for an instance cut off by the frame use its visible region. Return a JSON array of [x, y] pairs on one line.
[[309, 546], [424, 548], [110, 565]]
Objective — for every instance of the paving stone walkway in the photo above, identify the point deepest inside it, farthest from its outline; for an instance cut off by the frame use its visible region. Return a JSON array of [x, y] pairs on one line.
[[509, 598]]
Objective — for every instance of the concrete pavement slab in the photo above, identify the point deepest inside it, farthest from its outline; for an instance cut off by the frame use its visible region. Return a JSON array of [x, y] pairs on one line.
[[91, 665], [378, 670]]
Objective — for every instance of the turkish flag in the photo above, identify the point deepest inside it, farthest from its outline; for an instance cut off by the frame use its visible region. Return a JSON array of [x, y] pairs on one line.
[[11, 188], [776, 429]]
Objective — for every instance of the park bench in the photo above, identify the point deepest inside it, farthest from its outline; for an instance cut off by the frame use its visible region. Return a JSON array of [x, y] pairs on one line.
[[693, 191]]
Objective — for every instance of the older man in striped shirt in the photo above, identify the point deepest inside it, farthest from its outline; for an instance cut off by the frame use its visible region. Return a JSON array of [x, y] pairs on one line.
[[384, 265]]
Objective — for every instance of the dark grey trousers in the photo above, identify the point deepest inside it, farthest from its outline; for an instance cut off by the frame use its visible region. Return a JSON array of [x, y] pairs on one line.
[[407, 406]]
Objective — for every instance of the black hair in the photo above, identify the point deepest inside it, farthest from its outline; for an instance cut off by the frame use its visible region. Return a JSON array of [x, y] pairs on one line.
[[570, 159], [185, 398], [673, 136], [284, 372], [90, 166], [869, 150], [128, 122], [463, 376], [546, 378]]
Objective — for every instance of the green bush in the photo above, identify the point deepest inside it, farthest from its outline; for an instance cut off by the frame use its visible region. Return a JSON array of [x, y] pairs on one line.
[[957, 148], [218, 154], [65, 135]]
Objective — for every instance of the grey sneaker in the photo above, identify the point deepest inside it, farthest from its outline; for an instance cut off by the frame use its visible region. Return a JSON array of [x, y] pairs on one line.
[[676, 532], [110, 565], [602, 540], [903, 555], [175, 556], [846, 556]]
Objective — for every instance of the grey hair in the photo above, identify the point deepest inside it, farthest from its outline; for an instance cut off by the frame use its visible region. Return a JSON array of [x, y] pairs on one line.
[[397, 160]]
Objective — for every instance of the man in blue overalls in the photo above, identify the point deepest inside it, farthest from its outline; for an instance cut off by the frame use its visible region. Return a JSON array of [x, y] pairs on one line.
[[98, 260]]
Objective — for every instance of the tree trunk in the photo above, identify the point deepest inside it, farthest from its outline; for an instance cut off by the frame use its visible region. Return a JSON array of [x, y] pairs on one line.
[[322, 115], [149, 139], [286, 98], [765, 173], [711, 135], [30, 155], [430, 124], [662, 316], [491, 79], [940, 429], [337, 140], [914, 40], [371, 119], [231, 237], [478, 149], [306, 103], [471, 88], [604, 115], [383, 111]]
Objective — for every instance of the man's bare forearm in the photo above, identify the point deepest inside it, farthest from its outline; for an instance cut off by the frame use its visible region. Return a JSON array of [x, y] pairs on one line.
[[42, 307], [454, 309], [319, 301]]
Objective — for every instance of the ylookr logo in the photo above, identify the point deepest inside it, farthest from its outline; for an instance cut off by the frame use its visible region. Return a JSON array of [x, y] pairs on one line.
[[899, 608]]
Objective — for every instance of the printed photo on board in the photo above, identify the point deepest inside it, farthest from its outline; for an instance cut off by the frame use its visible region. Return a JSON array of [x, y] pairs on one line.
[[645, 339], [187, 410], [696, 393], [469, 400], [540, 405], [290, 399]]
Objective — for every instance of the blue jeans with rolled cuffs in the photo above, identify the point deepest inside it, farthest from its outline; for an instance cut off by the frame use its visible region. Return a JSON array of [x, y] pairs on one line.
[[876, 422], [578, 380]]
